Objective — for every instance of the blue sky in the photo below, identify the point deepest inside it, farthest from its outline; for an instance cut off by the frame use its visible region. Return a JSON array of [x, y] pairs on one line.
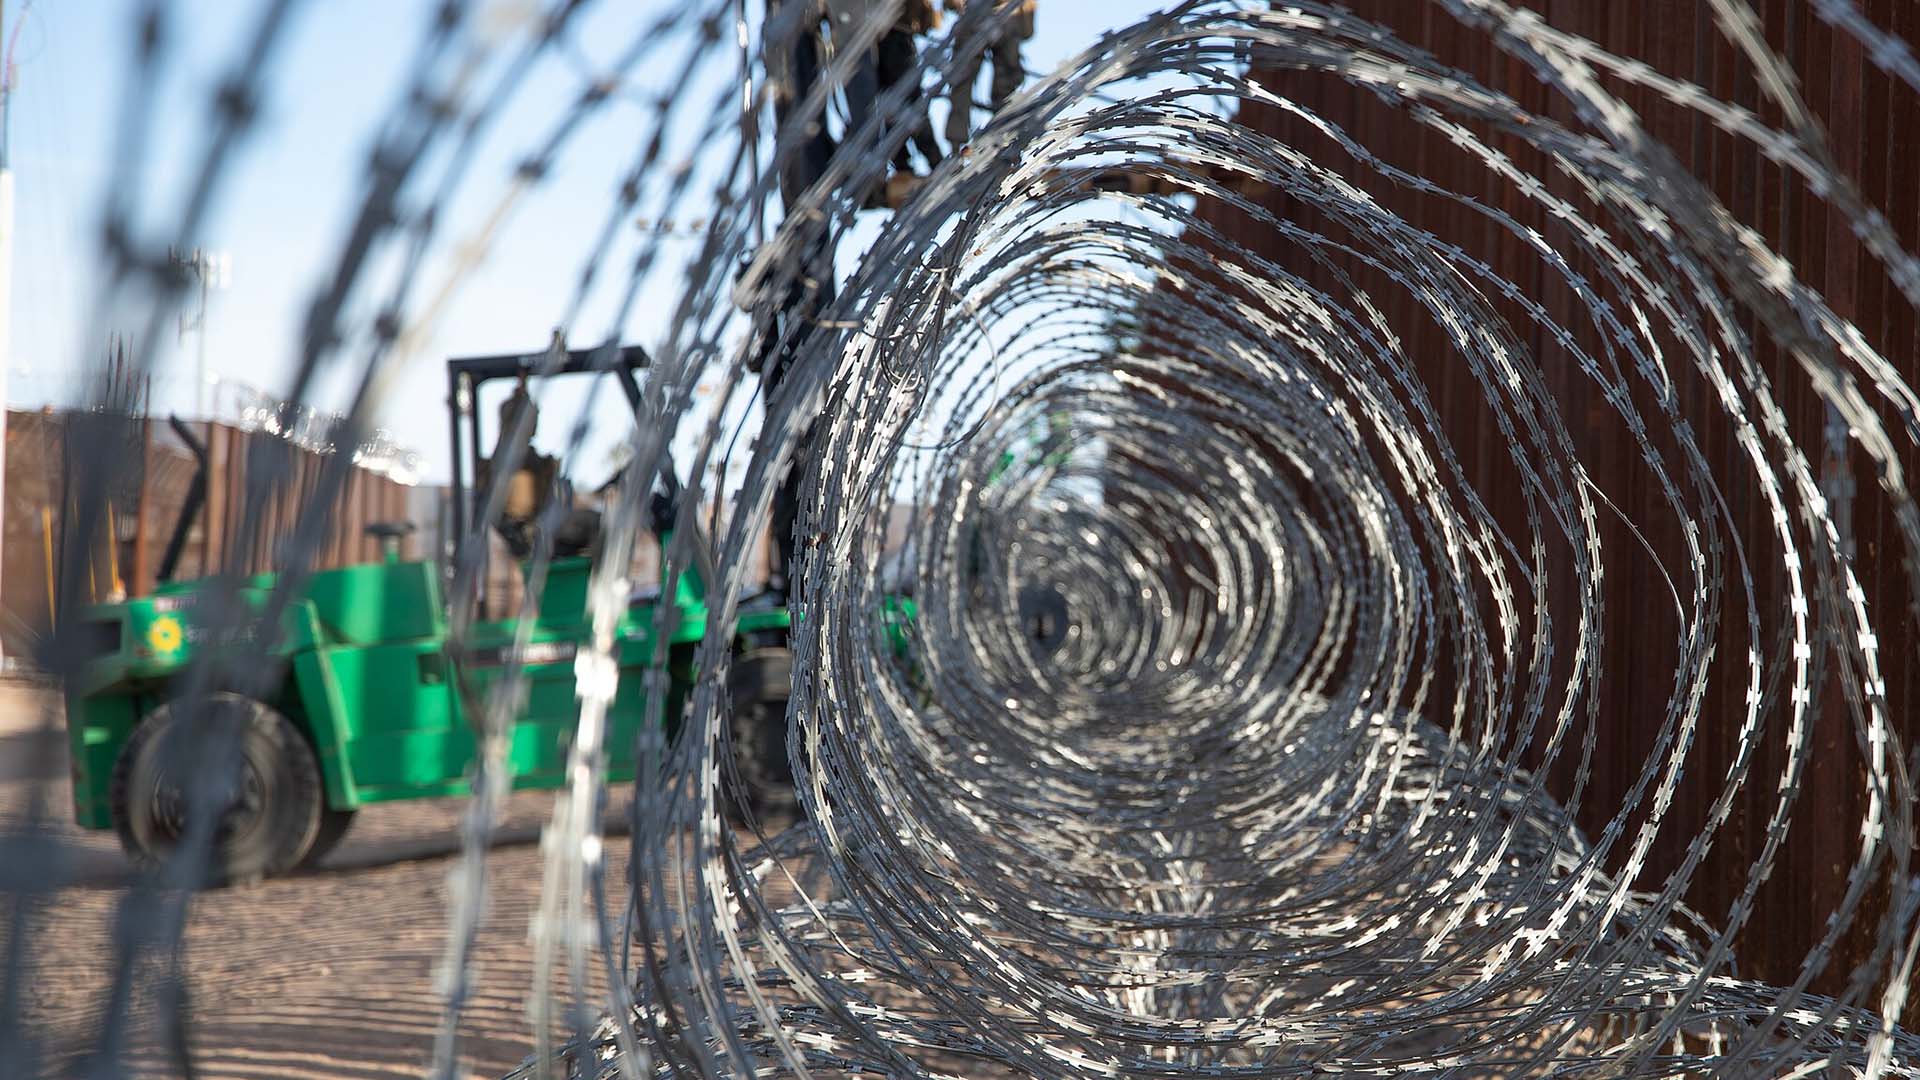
[[288, 201]]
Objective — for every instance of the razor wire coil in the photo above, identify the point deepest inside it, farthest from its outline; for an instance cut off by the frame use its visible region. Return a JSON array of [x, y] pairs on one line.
[[1221, 742]]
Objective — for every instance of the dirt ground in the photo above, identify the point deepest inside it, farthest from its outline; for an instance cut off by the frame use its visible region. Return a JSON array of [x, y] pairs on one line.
[[327, 974]]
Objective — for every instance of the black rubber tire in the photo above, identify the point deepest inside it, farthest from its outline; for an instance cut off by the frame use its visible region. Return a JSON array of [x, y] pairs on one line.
[[758, 687], [333, 828], [279, 795]]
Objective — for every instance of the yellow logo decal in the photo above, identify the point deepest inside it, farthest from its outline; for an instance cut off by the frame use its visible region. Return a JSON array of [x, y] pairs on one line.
[[164, 635]]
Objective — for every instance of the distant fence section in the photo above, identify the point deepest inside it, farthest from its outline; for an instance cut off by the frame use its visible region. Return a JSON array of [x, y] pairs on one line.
[[144, 501]]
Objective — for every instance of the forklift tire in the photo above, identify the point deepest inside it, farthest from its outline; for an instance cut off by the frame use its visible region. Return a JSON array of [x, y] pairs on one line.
[[333, 828], [758, 686], [270, 822]]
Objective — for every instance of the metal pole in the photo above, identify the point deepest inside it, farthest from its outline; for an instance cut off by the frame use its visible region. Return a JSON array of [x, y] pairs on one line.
[[6, 258], [202, 265]]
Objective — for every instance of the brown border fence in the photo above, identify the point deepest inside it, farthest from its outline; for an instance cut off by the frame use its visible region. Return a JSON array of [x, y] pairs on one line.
[[151, 479], [1874, 127]]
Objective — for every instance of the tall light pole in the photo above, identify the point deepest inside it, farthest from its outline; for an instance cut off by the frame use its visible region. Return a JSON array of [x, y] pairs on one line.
[[6, 245], [213, 270]]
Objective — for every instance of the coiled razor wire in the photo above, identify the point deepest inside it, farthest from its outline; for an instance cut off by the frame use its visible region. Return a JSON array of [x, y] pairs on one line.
[[1203, 756]]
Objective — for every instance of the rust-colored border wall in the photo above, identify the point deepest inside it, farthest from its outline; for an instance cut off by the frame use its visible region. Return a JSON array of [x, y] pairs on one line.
[[145, 503], [1875, 129]]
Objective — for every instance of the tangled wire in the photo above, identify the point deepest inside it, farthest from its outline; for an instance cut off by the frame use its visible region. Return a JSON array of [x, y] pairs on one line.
[[1230, 816], [1226, 739]]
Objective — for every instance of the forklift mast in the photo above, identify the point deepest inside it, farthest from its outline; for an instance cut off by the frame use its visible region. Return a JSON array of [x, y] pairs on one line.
[[466, 375]]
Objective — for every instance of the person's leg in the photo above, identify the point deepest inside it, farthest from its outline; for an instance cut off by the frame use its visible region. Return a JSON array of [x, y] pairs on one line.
[[1008, 71], [786, 518], [795, 73], [798, 322], [897, 58], [960, 102], [891, 66], [924, 141], [811, 290], [863, 85]]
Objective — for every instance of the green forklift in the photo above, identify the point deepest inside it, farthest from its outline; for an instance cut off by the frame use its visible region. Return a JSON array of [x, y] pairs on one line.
[[367, 701]]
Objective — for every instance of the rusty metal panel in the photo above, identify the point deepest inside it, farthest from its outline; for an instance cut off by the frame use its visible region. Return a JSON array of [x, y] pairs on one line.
[[1872, 124], [34, 518]]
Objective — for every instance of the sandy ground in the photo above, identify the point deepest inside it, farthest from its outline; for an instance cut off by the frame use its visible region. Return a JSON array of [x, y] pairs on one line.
[[327, 974]]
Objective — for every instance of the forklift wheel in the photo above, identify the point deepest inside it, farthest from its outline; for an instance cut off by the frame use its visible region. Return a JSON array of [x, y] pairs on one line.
[[272, 813], [333, 827], [759, 684]]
